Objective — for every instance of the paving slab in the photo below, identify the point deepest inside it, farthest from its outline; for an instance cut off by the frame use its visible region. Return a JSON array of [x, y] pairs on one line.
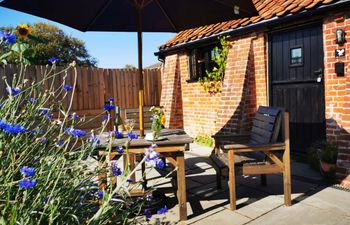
[[275, 185], [330, 199], [223, 217], [302, 214], [197, 210]]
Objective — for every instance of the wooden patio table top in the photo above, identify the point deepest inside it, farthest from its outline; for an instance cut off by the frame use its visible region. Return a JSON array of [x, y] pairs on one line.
[[168, 138]]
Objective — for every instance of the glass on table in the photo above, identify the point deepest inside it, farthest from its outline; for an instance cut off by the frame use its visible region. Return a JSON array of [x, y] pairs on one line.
[[129, 125]]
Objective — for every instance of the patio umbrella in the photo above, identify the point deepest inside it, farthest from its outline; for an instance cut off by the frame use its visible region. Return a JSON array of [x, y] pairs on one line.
[[135, 15]]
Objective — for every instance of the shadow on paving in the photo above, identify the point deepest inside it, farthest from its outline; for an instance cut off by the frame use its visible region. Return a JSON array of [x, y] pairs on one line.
[[253, 199]]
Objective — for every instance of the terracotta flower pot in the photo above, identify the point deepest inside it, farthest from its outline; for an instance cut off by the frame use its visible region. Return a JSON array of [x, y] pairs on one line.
[[326, 167]]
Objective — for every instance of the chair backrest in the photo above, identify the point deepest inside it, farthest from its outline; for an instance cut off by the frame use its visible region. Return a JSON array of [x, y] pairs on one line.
[[266, 125], [134, 113]]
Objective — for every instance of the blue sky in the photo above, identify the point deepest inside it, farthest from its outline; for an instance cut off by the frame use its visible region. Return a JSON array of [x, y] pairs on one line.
[[111, 49]]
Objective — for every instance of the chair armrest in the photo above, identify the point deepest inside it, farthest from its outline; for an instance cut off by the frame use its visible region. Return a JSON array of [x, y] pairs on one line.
[[221, 139], [253, 147]]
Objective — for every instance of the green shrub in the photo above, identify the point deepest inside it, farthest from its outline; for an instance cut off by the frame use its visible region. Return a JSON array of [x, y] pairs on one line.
[[204, 140], [328, 153]]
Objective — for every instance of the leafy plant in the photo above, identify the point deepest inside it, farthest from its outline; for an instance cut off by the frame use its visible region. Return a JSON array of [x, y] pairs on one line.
[[212, 83], [312, 158], [158, 120], [45, 177], [328, 153]]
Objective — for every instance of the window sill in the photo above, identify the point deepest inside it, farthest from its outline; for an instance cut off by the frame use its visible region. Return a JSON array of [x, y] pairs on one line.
[[191, 81]]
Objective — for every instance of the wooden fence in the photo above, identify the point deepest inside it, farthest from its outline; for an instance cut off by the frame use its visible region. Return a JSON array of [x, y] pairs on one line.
[[96, 85]]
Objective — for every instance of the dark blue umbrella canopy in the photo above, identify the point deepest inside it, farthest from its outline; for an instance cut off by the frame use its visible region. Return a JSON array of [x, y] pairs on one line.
[[135, 15], [120, 15]]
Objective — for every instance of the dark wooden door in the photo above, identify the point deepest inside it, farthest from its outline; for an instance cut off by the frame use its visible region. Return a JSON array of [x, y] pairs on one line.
[[296, 82]]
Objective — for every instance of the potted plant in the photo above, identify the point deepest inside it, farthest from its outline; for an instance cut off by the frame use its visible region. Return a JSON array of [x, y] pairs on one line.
[[158, 121], [328, 156]]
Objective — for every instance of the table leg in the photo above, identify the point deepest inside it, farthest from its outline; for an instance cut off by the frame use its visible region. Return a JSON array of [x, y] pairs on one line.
[[181, 186], [232, 181]]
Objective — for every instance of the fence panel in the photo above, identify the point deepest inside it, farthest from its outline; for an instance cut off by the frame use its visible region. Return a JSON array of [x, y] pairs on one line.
[[95, 86]]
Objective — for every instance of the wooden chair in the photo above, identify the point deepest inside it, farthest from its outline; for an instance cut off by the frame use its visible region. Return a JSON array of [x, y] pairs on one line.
[[256, 153], [133, 113]]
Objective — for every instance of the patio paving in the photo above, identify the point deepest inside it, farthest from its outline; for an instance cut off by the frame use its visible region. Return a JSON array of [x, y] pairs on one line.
[[313, 201]]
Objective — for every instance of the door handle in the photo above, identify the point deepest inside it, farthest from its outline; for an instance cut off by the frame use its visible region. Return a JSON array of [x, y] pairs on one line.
[[318, 72]]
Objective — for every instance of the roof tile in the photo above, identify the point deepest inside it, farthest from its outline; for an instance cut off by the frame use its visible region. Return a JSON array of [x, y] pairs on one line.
[[266, 9]]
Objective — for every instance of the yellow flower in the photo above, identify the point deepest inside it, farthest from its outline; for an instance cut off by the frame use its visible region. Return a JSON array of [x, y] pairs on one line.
[[23, 30], [163, 120]]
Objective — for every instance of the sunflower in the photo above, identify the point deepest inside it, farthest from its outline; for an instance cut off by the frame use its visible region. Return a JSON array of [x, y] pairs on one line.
[[163, 120], [23, 30]]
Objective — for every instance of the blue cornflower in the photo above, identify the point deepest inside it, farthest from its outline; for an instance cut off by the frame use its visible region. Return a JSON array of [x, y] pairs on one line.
[[67, 87], [147, 213], [108, 107], [129, 180], [26, 183], [118, 134], [120, 149], [74, 116], [75, 132], [14, 129], [60, 143], [9, 37], [115, 169], [13, 91], [111, 99], [53, 60], [27, 171], [43, 139], [93, 140], [105, 118], [2, 124], [100, 194], [162, 210], [32, 100], [44, 111], [151, 154], [49, 117], [159, 163], [132, 136]]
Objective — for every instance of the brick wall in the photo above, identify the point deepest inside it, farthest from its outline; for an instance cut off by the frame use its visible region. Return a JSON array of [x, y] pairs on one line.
[[232, 109], [171, 97], [337, 92]]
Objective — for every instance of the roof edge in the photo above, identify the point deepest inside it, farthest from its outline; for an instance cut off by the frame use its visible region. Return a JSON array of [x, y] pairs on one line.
[[249, 28]]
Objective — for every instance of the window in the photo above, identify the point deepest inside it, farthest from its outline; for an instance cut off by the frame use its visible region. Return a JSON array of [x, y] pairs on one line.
[[200, 60], [296, 56]]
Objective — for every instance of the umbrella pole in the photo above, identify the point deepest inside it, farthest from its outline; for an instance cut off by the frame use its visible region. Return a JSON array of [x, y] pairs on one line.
[[139, 42]]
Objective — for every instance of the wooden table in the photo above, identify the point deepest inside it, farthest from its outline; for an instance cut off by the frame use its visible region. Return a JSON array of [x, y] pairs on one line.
[[174, 145]]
